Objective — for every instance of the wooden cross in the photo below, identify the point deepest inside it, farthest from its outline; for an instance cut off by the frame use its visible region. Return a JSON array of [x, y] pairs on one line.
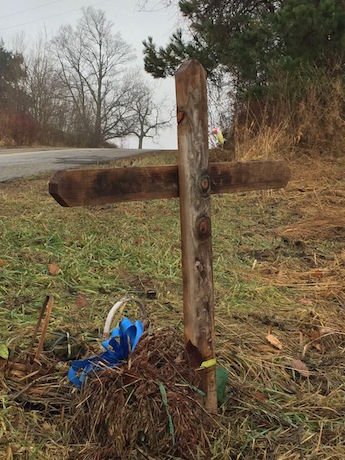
[[192, 180]]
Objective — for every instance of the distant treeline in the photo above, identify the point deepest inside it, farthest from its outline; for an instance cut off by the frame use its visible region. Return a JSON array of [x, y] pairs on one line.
[[76, 89]]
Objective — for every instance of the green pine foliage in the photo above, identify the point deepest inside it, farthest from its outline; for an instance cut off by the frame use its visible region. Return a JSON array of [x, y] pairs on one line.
[[12, 71], [255, 40]]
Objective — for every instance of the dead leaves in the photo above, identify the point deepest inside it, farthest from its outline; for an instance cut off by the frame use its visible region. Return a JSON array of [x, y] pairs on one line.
[[313, 338], [53, 269], [310, 338], [306, 302], [2, 263], [259, 396], [274, 341], [81, 301], [264, 348], [317, 274], [326, 331], [299, 366], [296, 364]]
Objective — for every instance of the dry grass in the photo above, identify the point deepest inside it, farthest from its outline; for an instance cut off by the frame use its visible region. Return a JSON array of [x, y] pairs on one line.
[[289, 126], [132, 417], [276, 270], [266, 143]]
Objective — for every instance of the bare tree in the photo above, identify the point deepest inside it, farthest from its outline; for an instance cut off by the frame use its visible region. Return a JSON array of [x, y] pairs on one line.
[[154, 5], [40, 84], [146, 114], [92, 60], [48, 101]]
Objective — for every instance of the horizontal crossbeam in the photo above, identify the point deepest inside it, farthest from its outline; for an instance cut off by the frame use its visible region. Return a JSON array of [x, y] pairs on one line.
[[101, 186]]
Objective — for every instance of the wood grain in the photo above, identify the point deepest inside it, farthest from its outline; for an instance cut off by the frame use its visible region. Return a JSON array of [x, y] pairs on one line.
[[195, 204], [101, 186]]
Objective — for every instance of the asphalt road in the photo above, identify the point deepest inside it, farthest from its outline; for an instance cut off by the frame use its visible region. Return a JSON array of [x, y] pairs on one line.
[[15, 163]]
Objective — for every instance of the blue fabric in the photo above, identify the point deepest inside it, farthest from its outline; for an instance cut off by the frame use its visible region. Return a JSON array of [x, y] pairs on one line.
[[116, 351]]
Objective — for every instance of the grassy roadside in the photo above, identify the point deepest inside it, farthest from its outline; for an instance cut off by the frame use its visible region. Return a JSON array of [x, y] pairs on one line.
[[279, 260]]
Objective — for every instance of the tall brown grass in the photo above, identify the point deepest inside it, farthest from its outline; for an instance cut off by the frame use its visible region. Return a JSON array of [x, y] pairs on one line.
[[18, 128], [286, 125]]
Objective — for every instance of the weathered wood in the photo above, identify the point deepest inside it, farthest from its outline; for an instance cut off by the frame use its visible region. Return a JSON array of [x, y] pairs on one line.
[[100, 186], [48, 305], [195, 203]]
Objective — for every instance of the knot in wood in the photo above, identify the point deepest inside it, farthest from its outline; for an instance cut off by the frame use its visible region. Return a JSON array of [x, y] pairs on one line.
[[205, 184], [199, 266], [179, 116], [203, 227], [201, 269]]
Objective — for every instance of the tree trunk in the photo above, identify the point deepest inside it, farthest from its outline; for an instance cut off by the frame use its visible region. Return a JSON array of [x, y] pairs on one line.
[[98, 123], [140, 146]]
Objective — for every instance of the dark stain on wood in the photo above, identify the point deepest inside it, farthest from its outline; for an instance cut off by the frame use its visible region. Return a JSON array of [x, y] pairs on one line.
[[101, 186]]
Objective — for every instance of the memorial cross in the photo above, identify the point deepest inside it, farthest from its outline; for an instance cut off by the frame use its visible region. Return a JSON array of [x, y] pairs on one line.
[[193, 179]]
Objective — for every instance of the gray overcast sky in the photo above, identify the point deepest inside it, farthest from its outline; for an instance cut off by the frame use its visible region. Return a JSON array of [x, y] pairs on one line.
[[33, 17]]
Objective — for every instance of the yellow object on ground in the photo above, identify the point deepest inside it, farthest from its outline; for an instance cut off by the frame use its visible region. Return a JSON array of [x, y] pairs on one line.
[[208, 363], [220, 137]]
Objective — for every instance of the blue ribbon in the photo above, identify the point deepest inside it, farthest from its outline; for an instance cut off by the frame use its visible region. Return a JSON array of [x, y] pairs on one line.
[[129, 334]]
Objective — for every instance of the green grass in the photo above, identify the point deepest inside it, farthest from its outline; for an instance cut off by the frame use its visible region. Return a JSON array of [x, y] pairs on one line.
[[115, 249], [108, 251]]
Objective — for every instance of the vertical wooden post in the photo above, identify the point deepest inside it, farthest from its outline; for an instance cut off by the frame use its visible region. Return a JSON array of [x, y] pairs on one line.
[[194, 191]]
